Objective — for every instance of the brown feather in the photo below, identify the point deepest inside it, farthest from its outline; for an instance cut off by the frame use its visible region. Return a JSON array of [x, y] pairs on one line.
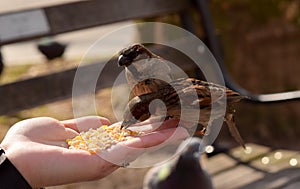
[[190, 95]]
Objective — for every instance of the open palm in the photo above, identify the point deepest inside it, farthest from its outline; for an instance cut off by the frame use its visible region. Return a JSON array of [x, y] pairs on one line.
[[37, 147]]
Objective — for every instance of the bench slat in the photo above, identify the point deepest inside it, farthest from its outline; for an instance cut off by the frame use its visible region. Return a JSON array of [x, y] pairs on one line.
[[63, 18]]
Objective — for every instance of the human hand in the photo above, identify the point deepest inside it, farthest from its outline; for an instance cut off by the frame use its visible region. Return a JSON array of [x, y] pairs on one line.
[[37, 147]]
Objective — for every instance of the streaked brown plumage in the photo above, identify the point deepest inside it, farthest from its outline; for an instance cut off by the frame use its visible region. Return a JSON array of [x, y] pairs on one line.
[[181, 103], [189, 100]]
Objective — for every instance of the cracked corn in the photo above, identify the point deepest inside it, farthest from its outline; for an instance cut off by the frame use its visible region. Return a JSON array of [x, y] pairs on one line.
[[102, 138]]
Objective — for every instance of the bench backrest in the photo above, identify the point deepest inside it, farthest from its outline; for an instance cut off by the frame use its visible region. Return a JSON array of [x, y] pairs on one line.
[[59, 19]]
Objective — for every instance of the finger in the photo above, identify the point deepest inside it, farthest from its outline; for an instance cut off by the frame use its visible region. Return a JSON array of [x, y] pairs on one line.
[[156, 138], [154, 119], [170, 123], [70, 133], [85, 123], [157, 125]]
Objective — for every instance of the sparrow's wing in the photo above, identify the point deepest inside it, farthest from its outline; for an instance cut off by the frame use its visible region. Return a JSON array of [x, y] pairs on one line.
[[151, 85], [188, 95], [195, 92]]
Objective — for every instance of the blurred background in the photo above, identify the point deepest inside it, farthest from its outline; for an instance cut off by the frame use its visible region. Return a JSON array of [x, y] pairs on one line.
[[261, 41], [261, 48]]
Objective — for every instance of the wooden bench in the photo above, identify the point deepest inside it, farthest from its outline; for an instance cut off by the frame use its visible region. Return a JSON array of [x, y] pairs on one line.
[[257, 167], [60, 19]]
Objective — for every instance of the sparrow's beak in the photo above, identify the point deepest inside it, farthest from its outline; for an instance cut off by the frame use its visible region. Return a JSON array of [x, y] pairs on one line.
[[124, 125], [124, 61], [127, 123]]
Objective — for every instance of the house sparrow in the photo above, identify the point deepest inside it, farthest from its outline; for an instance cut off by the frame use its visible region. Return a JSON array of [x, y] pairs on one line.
[[144, 70], [189, 100], [184, 172]]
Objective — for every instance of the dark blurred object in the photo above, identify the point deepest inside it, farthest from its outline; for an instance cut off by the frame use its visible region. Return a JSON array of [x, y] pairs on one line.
[[1, 63], [51, 49], [217, 148], [186, 172]]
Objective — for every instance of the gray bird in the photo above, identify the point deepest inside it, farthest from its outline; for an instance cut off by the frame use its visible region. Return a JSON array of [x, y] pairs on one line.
[[185, 172], [190, 100]]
